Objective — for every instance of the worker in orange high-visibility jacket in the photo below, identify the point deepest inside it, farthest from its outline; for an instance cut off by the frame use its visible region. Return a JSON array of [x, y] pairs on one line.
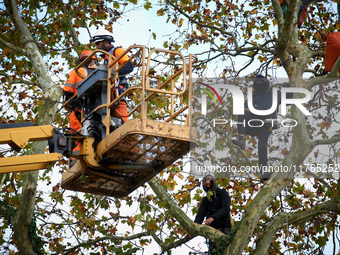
[[103, 40], [70, 89]]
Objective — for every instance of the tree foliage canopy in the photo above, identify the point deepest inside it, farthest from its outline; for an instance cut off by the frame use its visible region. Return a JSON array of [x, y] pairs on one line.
[[39, 44]]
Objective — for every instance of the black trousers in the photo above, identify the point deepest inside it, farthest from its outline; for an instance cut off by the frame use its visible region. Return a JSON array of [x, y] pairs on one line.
[[247, 125]]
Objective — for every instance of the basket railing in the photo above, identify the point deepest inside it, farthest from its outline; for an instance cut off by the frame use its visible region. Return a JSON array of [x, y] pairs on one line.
[[182, 74]]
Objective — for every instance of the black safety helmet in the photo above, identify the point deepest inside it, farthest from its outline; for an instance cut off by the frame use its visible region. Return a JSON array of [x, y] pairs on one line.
[[212, 182], [261, 83]]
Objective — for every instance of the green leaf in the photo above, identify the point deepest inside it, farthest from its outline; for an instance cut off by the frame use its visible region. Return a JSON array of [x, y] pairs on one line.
[[147, 5]]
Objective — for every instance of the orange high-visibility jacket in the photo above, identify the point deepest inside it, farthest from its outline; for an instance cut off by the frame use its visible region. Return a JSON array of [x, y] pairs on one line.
[[332, 51], [120, 110], [116, 52], [74, 80], [71, 86]]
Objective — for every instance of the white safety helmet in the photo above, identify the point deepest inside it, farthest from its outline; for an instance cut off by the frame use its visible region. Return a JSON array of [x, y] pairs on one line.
[[102, 35]]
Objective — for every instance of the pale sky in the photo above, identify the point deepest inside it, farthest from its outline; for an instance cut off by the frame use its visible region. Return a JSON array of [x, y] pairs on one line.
[[136, 28]]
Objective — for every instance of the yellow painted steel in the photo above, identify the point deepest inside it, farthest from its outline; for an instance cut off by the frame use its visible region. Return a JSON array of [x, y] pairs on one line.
[[19, 137], [138, 150], [28, 163], [128, 156], [144, 127]]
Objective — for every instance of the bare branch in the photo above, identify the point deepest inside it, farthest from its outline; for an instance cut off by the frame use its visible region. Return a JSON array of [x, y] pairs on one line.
[[203, 25], [105, 238], [283, 219], [169, 246], [326, 141], [332, 76]]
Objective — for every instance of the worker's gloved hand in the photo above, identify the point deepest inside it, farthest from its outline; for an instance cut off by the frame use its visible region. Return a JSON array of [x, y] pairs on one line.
[[67, 95], [75, 104]]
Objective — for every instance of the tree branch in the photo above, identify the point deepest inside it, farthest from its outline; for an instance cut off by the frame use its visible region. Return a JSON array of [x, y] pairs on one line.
[[326, 141], [32, 52], [286, 33], [281, 221], [253, 214], [176, 8], [12, 47], [238, 49], [73, 32], [168, 246], [332, 76], [10, 80], [278, 15], [192, 228], [104, 238], [315, 176]]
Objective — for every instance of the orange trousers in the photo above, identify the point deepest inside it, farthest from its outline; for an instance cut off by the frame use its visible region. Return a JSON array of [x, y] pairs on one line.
[[120, 111], [76, 125]]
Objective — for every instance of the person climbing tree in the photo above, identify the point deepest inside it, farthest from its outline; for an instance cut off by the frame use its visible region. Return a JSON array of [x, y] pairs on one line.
[[255, 125], [214, 208]]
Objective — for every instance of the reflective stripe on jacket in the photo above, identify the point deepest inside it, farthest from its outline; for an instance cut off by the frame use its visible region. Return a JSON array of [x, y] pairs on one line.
[[74, 80]]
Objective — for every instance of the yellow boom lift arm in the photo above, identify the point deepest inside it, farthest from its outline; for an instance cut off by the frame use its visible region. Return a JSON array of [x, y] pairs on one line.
[[17, 138]]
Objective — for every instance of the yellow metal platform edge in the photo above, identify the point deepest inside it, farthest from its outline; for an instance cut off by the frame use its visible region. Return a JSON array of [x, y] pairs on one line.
[[73, 172], [74, 180], [147, 127]]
